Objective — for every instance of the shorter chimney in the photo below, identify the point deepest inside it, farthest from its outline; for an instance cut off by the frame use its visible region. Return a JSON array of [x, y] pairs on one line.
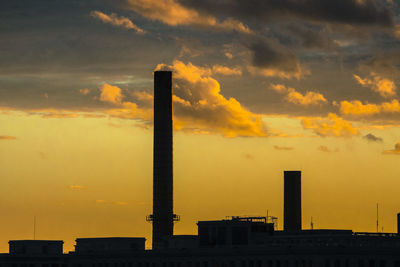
[[292, 201]]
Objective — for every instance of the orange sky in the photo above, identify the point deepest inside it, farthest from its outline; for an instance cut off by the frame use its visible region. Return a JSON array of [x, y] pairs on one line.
[[86, 177]]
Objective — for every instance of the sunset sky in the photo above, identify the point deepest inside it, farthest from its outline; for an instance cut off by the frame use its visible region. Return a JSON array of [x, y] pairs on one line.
[[259, 87]]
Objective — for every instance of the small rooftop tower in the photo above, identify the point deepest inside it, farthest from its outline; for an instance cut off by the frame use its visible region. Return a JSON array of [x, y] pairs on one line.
[[292, 201], [163, 216]]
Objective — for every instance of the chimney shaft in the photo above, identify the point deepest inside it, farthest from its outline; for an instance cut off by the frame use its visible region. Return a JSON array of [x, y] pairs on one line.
[[162, 159], [292, 201]]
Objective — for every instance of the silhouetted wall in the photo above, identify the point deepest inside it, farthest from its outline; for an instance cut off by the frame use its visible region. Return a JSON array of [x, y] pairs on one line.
[[162, 158], [292, 201]]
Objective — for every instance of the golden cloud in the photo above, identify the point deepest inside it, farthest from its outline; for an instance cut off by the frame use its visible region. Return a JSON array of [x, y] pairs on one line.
[[85, 91], [280, 88], [330, 126], [113, 19], [395, 151], [300, 71], [173, 13], [383, 86], [224, 70], [200, 107], [110, 93], [143, 96], [356, 107], [310, 98], [130, 110]]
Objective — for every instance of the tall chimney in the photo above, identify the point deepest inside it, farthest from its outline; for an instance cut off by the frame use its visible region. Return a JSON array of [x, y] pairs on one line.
[[163, 217], [292, 201]]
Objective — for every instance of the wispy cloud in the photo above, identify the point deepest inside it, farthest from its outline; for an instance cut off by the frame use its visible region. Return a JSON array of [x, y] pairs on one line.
[[116, 203], [116, 20], [76, 187], [284, 148], [7, 137], [93, 115], [60, 115], [248, 156], [326, 149], [173, 13]]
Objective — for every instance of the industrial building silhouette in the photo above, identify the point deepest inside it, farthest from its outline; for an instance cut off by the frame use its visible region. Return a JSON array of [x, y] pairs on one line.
[[233, 242]]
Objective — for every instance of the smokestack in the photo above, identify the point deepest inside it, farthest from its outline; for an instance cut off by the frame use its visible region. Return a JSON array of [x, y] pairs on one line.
[[292, 201], [163, 217], [398, 223]]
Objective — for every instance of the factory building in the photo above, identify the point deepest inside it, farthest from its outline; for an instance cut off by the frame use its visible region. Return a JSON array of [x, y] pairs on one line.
[[232, 242]]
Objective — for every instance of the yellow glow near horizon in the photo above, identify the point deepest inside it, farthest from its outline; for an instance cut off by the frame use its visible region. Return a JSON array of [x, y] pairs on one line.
[[92, 177]]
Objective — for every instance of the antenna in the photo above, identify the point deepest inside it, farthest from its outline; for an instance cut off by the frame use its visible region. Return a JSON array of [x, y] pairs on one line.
[[34, 227], [377, 217], [312, 224]]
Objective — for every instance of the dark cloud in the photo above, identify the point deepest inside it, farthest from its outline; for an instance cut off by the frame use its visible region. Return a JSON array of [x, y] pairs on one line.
[[55, 49], [269, 55], [61, 36], [383, 61], [365, 12], [372, 138], [307, 36]]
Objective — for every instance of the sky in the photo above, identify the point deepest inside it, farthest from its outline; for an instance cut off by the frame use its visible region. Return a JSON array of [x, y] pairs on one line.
[[259, 87]]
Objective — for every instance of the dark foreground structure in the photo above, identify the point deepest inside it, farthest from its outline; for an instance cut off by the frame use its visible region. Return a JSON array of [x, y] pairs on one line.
[[233, 242], [163, 216]]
